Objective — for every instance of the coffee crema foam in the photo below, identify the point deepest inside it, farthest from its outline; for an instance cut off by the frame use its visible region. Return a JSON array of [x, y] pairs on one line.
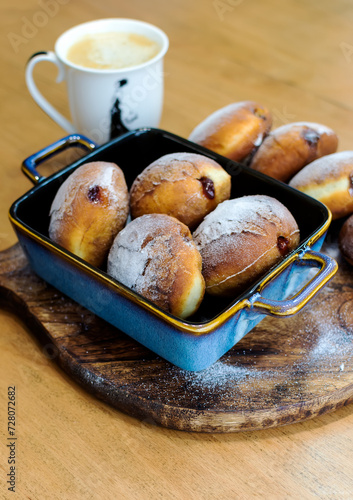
[[112, 50]]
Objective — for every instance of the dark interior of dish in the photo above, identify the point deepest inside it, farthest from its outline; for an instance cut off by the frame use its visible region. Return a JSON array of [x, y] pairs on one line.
[[133, 152]]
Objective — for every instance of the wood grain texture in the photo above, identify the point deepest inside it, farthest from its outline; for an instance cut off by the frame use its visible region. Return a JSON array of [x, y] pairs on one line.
[[294, 57], [284, 371]]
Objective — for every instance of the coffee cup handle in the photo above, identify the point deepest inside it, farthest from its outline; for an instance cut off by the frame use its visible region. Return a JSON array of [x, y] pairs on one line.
[[38, 97]]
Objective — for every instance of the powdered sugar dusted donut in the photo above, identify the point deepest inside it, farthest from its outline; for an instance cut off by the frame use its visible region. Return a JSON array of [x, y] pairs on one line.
[[89, 209], [234, 131], [184, 185], [287, 149], [155, 256], [241, 240], [330, 180]]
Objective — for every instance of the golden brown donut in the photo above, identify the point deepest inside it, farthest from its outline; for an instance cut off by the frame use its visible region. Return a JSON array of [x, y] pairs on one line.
[[345, 240], [241, 240], [330, 180], [89, 209], [155, 256], [184, 185], [287, 149], [234, 131]]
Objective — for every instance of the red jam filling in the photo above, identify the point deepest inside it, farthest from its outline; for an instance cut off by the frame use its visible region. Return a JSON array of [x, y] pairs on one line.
[[208, 187], [311, 137], [283, 245], [94, 194]]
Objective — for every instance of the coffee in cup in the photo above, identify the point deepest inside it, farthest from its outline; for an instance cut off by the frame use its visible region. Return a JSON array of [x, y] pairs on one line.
[[112, 50], [113, 70]]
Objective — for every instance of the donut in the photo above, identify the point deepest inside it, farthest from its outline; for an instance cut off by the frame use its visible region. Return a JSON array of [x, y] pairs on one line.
[[89, 209], [330, 180], [155, 256], [241, 240], [183, 185], [234, 131], [287, 149], [345, 240]]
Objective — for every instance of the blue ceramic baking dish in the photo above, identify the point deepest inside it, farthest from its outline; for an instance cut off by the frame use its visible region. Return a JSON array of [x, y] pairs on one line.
[[192, 344]]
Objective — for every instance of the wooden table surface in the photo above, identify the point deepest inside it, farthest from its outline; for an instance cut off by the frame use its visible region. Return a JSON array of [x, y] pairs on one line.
[[296, 57]]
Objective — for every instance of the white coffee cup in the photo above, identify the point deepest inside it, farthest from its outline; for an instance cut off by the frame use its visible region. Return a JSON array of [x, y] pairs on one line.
[[105, 102]]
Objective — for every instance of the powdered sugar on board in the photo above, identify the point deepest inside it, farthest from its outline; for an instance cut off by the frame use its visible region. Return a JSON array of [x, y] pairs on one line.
[[331, 344], [258, 372]]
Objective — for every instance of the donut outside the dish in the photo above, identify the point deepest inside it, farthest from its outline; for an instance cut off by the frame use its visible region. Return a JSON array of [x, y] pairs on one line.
[[330, 180], [289, 148], [345, 240], [234, 131]]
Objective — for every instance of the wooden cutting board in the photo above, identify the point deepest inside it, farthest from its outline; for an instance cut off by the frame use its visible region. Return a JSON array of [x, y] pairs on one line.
[[284, 371]]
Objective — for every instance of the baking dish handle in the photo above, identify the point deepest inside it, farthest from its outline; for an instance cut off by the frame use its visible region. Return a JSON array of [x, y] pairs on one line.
[[328, 268], [29, 166]]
